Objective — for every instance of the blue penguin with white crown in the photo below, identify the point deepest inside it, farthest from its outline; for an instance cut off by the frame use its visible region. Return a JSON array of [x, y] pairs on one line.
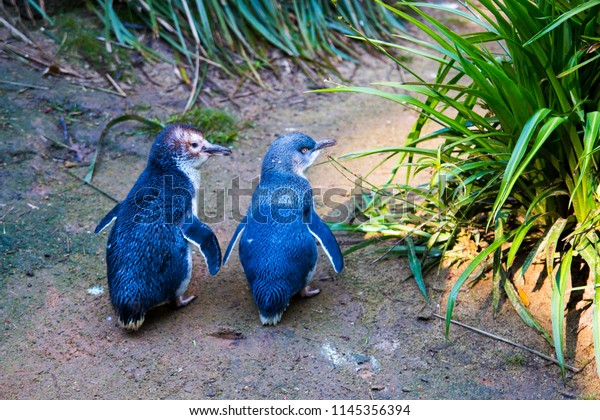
[[279, 234], [149, 249]]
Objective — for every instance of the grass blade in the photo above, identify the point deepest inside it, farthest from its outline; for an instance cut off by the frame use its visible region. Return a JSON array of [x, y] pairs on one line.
[[557, 304], [415, 266], [360, 245], [596, 323], [465, 275], [498, 274], [516, 165], [554, 235], [517, 303], [41, 11], [588, 4], [590, 138], [128, 117], [590, 254]]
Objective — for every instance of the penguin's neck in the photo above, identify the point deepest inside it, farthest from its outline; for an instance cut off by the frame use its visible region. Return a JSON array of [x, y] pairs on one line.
[[182, 170], [274, 163], [193, 174], [283, 178]]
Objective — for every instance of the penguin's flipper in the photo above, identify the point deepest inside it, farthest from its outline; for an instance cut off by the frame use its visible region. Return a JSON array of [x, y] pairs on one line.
[[323, 234], [108, 219], [204, 238], [234, 239]]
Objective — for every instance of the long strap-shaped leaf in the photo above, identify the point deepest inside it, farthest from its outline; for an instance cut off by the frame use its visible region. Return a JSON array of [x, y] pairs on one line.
[[557, 304], [465, 275], [518, 163], [406, 100], [498, 273], [553, 237], [126, 117], [521, 234], [563, 18], [526, 316], [590, 139], [596, 323], [591, 256], [415, 266]]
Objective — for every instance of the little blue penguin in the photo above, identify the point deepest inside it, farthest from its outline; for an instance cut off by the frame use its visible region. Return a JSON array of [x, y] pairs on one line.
[[149, 249], [279, 234]]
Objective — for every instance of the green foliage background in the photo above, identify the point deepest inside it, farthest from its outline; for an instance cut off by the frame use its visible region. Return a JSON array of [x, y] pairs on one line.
[[522, 148]]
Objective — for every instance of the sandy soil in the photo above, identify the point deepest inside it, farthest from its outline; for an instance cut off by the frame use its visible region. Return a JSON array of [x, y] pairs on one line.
[[368, 335]]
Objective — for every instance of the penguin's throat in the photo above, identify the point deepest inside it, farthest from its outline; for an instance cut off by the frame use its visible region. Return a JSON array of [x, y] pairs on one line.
[[191, 169], [295, 167], [300, 167]]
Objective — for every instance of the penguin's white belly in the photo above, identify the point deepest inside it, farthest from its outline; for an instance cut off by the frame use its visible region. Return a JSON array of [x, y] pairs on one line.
[[186, 281]]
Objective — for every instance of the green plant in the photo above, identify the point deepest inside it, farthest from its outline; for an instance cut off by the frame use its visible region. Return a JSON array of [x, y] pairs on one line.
[[515, 360], [81, 40], [231, 34], [218, 126], [519, 152]]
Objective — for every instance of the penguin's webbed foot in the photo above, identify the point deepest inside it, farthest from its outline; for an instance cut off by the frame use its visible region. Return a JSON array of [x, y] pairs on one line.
[[181, 301], [308, 291]]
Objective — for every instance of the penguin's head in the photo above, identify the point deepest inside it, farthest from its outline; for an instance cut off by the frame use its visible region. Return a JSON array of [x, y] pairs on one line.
[[294, 152], [184, 146]]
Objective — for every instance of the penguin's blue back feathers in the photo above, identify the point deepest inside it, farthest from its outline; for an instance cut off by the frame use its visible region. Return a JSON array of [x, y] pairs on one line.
[[279, 234], [278, 250], [148, 254]]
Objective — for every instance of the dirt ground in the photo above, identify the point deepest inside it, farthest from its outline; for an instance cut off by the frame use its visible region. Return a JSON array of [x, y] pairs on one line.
[[369, 334]]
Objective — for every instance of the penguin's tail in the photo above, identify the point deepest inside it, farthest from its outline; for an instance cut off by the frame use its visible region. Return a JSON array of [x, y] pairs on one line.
[[270, 320], [131, 315], [271, 304]]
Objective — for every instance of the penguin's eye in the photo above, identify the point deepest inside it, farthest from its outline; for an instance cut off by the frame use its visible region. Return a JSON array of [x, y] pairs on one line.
[[304, 150], [194, 145]]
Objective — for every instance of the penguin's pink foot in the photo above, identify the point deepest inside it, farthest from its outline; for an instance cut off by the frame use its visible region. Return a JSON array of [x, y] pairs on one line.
[[181, 301], [308, 291]]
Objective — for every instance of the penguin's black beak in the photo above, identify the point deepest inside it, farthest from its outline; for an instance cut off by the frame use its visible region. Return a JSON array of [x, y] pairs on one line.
[[325, 143], [216, 150]]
